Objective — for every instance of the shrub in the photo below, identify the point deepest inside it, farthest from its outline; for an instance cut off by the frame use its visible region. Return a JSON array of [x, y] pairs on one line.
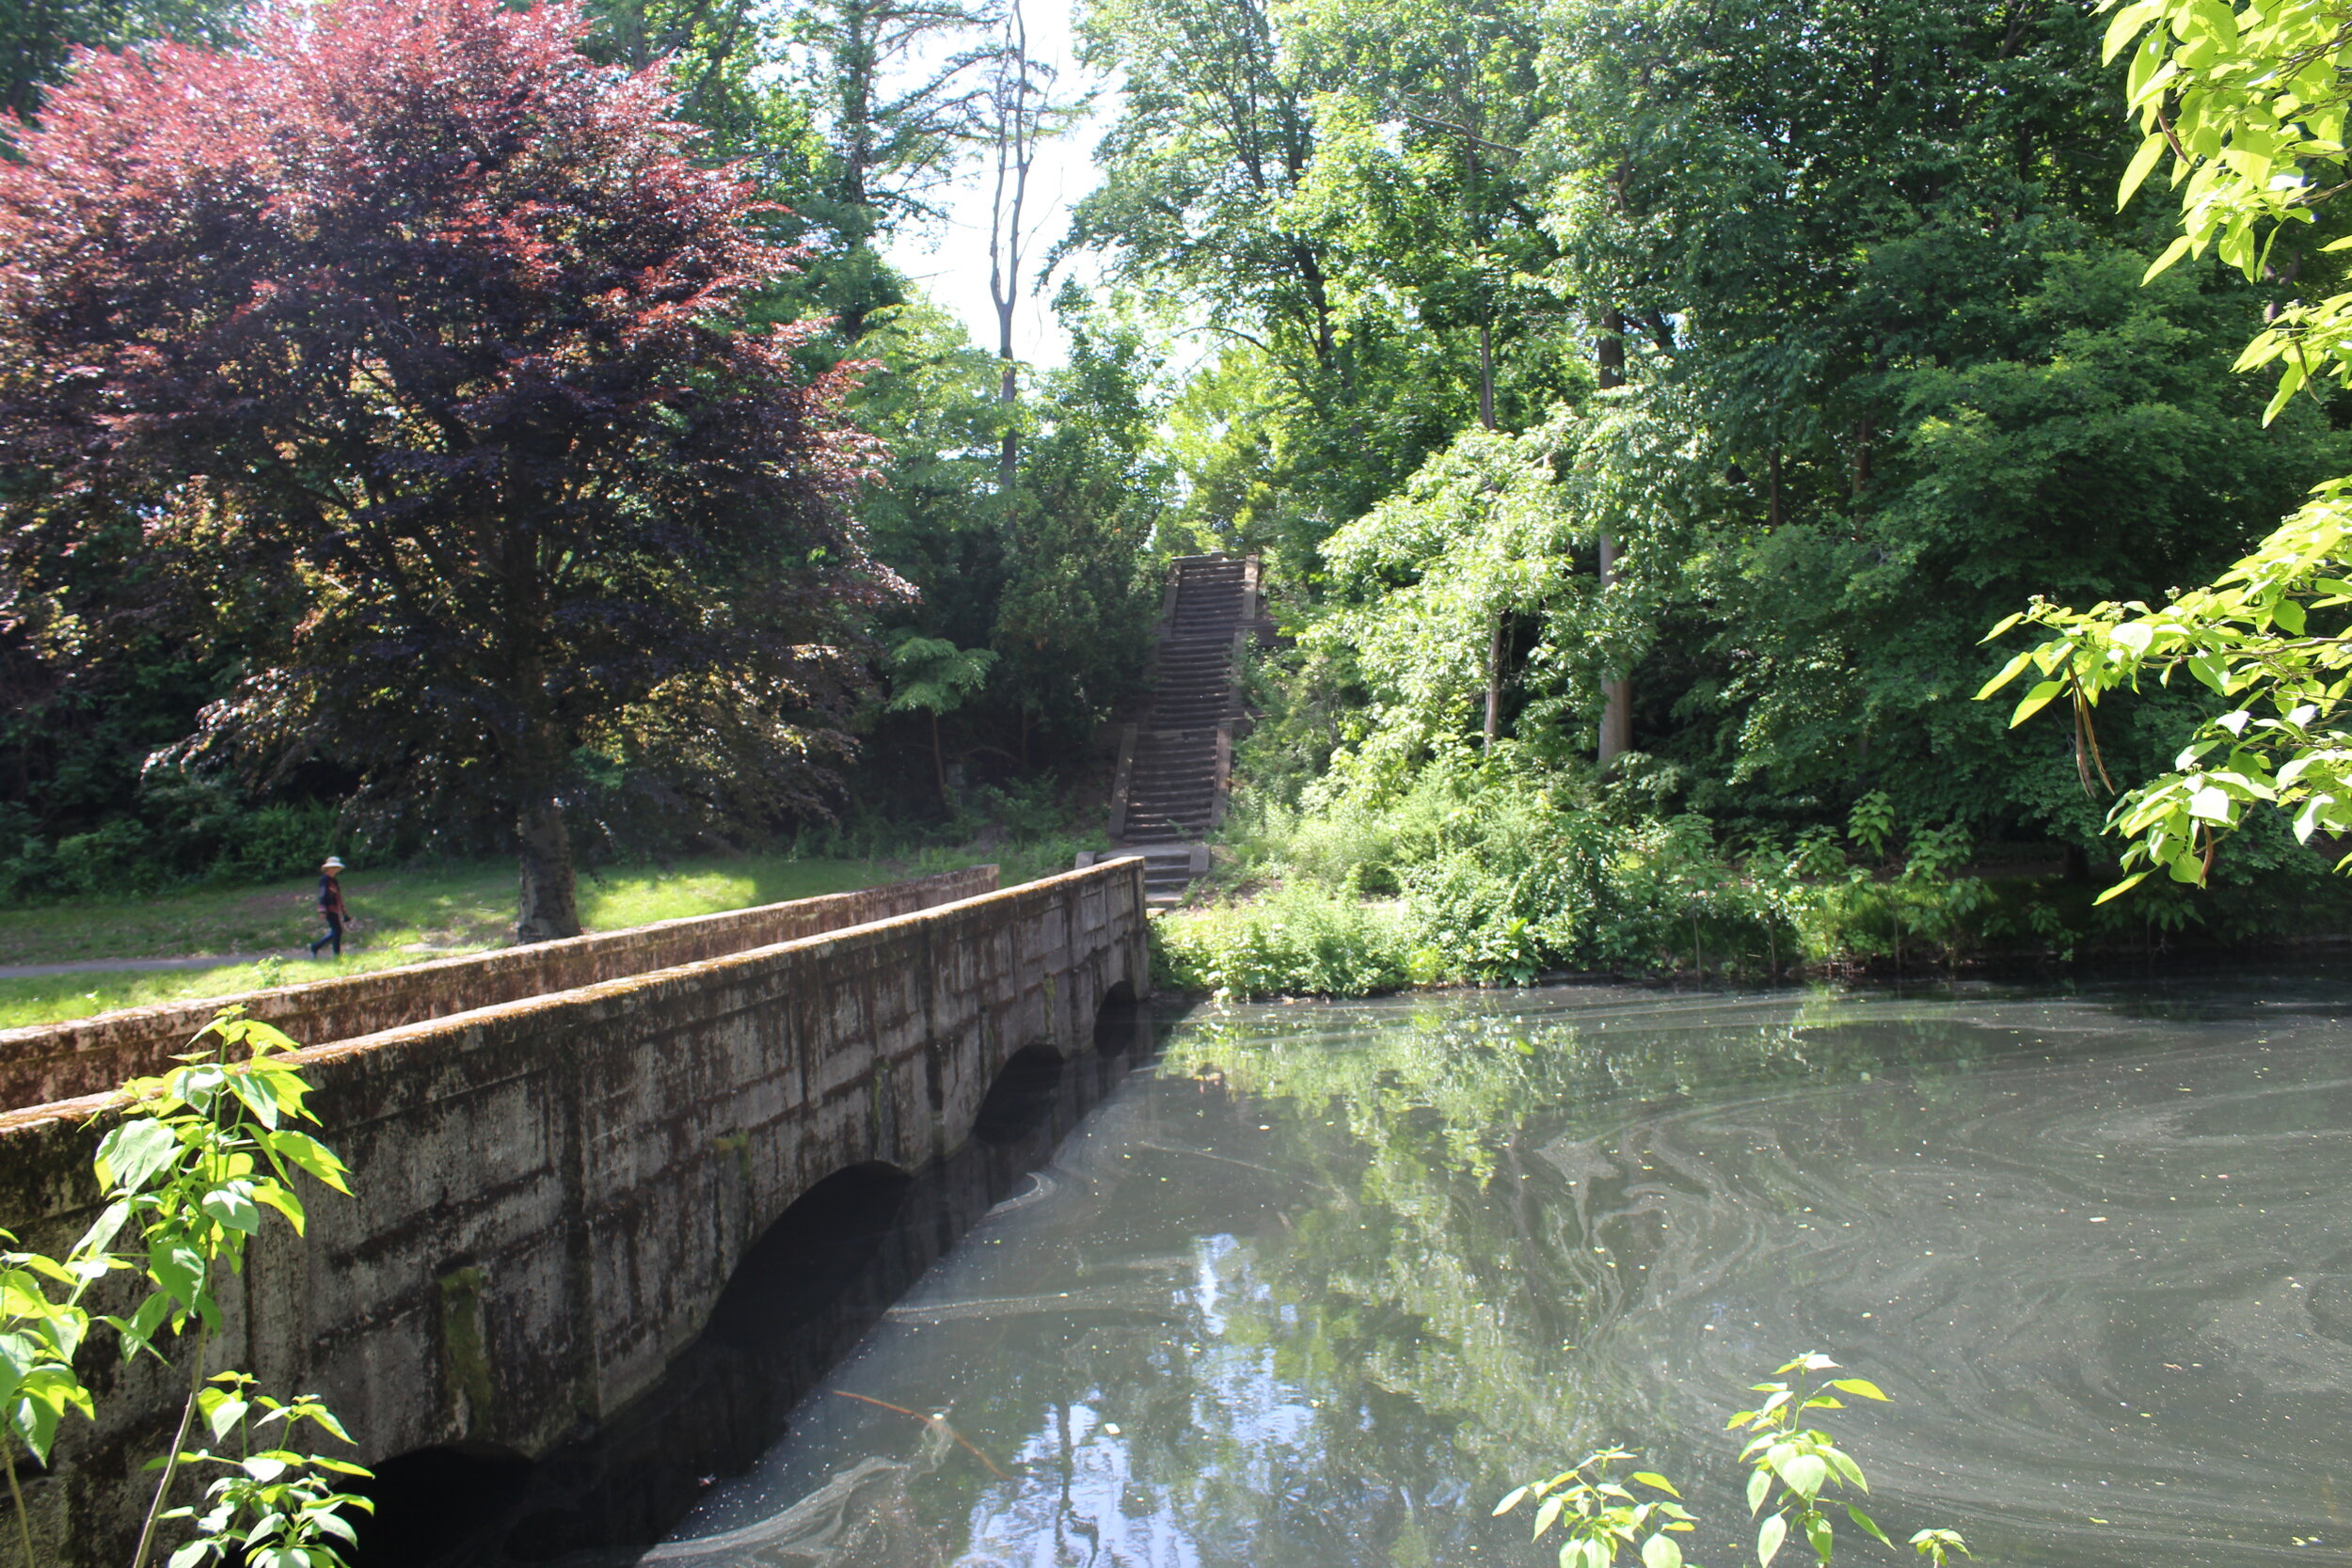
[[1298, 940], [1503, 871]]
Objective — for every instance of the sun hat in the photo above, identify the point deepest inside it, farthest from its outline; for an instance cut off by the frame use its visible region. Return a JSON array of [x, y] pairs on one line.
[[331, 863]]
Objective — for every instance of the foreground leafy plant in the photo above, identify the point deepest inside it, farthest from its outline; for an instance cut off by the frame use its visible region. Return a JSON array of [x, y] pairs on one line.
[[208, 1150], [39, 1341], [273, 1506], [1790, 1465], [1598, 1515], [202, 1152]]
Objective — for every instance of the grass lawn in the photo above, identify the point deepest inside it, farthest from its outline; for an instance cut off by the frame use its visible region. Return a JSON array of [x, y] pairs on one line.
[[404, 917]]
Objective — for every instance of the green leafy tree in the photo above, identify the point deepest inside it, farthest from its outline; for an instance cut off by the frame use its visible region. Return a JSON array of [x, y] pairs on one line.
[[1079, 594], [1871, 284], [897, 96], [2247, 108], [1329, 195], [1425, 586], [931, 676]]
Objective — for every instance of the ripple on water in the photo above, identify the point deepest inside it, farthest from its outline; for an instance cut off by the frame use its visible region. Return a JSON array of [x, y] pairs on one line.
[[1315, 1292], [2104, 1276]]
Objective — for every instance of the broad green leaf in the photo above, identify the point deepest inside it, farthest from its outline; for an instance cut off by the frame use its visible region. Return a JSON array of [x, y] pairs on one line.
[[261, 1037], [1845, 1466], [254, 1093], [2290, 382], [2035, 701], [224, 1415], [1511, 1501], [1659, 1551], [1767, 1540], [2124, 26], [134, 1154], [1860, 1388], [2172, 253], [284, 1201], [1759, 1487], [1867, 1523], [1659, 1483], [2142, 162], [178, 1268], [308, 1154], [2010, 672], [1803, 1474], [322, 1417], [233, 1208]]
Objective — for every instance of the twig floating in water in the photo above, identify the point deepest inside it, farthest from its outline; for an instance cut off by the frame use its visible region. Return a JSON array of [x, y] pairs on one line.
[[929, 1420]]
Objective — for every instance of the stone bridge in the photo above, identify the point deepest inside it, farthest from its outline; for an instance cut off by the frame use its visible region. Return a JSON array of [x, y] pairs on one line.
[[554, 1189]]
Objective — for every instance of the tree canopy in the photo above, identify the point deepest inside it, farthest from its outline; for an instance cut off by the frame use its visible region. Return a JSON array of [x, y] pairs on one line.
[[401, 337], [2247, 106]]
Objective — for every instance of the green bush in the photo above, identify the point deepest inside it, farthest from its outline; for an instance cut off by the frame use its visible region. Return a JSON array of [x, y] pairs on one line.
[[1503, 872], [1298, 940], [192, 837]]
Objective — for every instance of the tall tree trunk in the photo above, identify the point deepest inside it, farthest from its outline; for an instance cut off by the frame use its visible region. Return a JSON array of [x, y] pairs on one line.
[[1494, 684], [1616, 691], [1494, 650], [549, 905], [857, 65], [1008, 455], [939, 766], [1487, 375], [1020, 108]]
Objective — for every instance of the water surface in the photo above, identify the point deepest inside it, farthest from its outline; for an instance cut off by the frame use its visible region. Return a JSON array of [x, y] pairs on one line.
[[1322, 1283]]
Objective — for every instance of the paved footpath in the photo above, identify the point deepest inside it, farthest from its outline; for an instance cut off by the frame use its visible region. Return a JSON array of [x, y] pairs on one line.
[[31, 972]]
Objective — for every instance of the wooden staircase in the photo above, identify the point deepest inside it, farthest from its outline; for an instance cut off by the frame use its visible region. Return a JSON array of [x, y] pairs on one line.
[[1176, 763]]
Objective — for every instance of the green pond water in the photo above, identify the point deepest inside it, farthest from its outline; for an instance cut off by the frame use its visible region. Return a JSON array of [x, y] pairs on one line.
[[1319, 1282]]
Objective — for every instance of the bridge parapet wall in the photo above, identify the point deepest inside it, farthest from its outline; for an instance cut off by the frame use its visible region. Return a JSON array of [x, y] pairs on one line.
[[551, 1192], [62, 1061]]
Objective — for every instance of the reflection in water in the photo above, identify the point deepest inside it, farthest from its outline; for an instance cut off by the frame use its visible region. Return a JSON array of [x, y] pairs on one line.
[[1317, 1290]]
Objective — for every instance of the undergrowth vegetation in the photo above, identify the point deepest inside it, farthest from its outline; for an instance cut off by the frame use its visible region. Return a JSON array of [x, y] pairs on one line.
[[1503, 871]]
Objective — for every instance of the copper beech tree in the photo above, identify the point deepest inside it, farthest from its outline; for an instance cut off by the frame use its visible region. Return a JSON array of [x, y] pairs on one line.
[[401, 337]]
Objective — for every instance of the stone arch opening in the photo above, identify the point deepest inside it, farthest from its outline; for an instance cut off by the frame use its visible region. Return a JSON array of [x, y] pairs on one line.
[[1020, 1098], [817, 1279], [1121, 1024], [828, 1238], [432, 1502]]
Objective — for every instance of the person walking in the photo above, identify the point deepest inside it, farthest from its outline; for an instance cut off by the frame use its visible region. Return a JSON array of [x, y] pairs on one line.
[[332, 906]]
